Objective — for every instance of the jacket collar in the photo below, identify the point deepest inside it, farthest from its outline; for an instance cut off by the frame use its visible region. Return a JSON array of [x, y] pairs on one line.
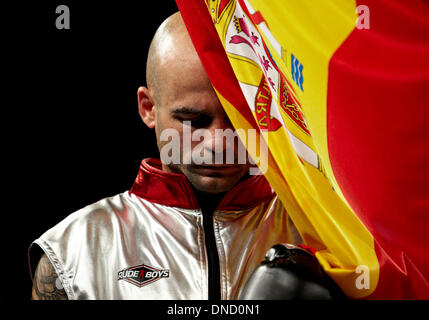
[[174, 190]]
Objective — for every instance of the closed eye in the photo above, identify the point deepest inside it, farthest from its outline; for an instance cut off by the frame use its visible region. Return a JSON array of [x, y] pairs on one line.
[[195, 122], [198, 119]]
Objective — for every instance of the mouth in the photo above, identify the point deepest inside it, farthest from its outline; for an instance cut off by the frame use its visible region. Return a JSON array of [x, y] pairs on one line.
[[214, 166], [214, 169]]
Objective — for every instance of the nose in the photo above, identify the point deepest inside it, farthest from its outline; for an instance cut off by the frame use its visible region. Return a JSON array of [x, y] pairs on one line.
[[221, 136], [221, 142]]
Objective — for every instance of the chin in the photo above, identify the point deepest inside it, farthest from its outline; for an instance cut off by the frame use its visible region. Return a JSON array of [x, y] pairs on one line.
[[213, 185]]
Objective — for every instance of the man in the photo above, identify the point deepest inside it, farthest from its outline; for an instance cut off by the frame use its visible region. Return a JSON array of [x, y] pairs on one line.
[[184, 230]]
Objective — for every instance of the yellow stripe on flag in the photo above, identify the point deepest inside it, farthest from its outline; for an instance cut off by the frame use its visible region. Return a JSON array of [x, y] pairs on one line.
[[299, 170]]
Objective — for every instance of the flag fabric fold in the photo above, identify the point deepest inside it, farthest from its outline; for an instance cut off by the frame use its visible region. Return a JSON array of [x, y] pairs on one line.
[[338, 90]]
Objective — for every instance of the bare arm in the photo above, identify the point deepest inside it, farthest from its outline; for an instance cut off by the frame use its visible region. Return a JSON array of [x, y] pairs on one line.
[[45, 284]]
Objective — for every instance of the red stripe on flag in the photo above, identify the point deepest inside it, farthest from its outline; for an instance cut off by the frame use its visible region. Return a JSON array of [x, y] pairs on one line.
[[377, 120]]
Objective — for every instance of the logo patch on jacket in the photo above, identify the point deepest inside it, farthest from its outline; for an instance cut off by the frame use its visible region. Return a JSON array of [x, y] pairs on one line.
[[142, 275]]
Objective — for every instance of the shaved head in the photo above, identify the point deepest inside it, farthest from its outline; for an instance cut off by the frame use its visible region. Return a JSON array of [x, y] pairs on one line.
[[171, 44]]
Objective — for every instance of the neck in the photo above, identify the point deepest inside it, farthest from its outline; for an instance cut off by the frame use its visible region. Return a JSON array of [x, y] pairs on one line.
[[208, 201]]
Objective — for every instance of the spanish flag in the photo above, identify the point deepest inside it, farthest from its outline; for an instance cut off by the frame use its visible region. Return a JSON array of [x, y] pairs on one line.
[[339, 90]]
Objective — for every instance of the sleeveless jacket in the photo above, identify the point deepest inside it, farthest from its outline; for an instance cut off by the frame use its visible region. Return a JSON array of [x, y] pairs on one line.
[[150, 242]]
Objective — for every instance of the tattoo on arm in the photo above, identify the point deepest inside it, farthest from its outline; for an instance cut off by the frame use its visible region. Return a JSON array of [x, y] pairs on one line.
[[45, 284]]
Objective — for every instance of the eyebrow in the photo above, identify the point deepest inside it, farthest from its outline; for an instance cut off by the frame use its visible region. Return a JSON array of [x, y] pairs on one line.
[[190, 111]]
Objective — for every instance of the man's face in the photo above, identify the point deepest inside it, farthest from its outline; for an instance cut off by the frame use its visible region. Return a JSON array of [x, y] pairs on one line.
[[186, 95]]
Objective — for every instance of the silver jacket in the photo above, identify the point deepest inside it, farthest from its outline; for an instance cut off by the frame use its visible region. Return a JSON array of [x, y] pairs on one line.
[[149, 242]]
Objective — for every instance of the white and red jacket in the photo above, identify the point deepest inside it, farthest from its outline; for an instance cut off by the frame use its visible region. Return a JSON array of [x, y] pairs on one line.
[[151, 242]]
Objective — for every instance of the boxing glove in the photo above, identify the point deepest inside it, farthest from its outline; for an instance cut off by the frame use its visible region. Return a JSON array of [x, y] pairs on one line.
[[290, 272]]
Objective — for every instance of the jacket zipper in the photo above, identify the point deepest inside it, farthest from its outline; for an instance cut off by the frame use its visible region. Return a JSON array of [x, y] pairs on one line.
[[212, 256]]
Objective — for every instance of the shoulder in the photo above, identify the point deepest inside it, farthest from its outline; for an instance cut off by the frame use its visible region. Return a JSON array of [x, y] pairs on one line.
[[83, 229], [95, 217], [76, 238]]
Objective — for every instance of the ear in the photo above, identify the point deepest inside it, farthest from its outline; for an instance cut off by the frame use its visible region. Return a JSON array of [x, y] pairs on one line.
[[146, 106]]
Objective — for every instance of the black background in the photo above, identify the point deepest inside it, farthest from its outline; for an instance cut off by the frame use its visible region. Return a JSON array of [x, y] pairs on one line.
[[71, 132]]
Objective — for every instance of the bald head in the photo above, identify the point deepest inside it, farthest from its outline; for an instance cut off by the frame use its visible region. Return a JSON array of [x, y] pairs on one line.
[[171, 46]]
